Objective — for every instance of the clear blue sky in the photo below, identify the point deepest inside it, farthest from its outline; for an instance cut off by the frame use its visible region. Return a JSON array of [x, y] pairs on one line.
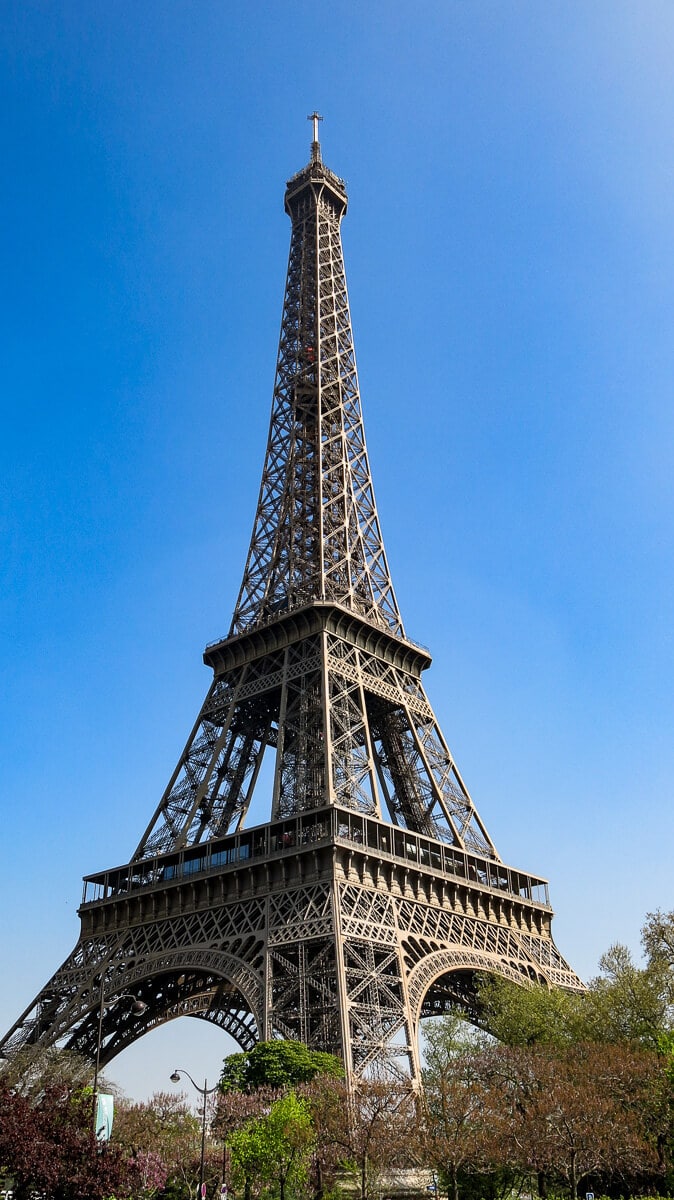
[[510, 255]]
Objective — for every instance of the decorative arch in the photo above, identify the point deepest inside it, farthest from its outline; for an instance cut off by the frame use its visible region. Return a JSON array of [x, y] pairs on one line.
[[208, 984], [431, 968]]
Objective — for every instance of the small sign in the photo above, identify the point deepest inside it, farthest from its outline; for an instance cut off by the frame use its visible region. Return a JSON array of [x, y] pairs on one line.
[[223, 1190], [589, 1196]]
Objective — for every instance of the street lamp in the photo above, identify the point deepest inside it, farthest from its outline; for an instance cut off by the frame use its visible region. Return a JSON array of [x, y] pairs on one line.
[[204, 1091], [138, 1007]]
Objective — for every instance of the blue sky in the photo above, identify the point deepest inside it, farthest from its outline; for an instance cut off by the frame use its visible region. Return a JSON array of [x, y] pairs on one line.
[[510, 256]]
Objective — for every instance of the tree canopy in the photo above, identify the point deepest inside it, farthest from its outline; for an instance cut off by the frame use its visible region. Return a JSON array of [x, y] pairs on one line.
[[48, 1148], [624, 1003], [277, 1064], [274, 1149]]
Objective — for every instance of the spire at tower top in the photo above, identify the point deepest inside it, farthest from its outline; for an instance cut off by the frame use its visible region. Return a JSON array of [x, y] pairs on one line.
[[315, 145]]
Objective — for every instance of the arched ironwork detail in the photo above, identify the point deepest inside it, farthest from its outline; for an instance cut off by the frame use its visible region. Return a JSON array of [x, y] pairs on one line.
[[443, 962]]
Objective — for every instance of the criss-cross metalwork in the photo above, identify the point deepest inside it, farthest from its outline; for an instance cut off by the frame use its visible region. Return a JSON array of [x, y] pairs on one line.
[[373, 894], [316, 534]]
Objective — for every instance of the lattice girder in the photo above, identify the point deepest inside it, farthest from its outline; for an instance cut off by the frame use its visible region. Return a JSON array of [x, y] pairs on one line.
[[316, 533], [374, 894], [346, 725], [313, 941], [175, 967]]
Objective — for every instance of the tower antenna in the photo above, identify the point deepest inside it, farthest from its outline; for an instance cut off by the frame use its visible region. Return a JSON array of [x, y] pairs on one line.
[[315, 145]]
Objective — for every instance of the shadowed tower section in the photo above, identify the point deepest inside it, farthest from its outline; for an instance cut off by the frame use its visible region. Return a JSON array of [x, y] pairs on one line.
[[373, 894]]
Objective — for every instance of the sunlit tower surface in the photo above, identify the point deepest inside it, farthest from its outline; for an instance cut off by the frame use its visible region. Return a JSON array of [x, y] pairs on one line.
[[373, 896]]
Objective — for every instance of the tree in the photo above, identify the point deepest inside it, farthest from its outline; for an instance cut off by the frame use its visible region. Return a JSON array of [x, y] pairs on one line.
[[526, 1015], [367, 1126], [277, 1064], [628, 1003], [274, 1149], [234, 1110], [583, 1111], [657, 938], [624, 1003], [152, 1173], [49, 1148], [164, 1135], [461, 1117], [34, 1069], [559, 1109]]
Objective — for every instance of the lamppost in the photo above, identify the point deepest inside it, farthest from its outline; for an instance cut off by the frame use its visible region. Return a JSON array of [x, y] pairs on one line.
[[204, 1091], [138, 1007]]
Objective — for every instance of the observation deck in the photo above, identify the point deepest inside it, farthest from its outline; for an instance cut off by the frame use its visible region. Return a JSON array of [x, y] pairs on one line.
[[385, 845]]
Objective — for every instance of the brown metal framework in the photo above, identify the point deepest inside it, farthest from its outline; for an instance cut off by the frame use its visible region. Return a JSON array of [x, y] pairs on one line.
[[374, 894]]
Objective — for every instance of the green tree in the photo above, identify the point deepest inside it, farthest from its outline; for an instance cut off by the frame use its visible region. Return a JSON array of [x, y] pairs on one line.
[[277, 1064], [626, 1002], [657, 938], [528, 1015], [272, 1152]]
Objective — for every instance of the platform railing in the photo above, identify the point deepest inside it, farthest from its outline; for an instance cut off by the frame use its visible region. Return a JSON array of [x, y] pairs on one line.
[[307, 831]]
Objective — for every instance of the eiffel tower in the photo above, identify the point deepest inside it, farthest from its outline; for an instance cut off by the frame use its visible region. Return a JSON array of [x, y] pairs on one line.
[[373, 896]]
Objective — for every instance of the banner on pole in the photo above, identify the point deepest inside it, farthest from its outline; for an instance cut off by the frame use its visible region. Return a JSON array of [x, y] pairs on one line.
[[105, 1105]]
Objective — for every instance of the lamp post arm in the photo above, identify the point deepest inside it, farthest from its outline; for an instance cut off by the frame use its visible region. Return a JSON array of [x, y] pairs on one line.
[[205, 1090]]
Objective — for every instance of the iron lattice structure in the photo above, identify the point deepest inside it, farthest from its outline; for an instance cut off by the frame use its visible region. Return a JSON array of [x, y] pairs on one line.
[[374, 893]]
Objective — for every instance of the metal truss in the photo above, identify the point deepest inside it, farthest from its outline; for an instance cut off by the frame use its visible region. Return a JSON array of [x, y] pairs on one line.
[[345, 723], [316, 533], [374, 895], [341, 961]]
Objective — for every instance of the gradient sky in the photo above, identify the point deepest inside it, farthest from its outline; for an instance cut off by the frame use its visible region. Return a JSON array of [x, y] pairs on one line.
[[510, 256]]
